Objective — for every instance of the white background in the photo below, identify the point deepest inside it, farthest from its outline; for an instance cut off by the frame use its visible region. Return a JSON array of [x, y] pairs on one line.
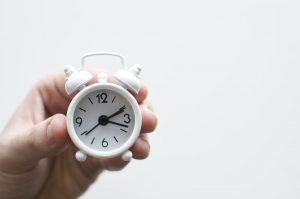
[[223, 79]]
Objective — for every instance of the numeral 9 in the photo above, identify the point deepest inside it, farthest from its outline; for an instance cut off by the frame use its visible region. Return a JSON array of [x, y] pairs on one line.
[[78, 121]]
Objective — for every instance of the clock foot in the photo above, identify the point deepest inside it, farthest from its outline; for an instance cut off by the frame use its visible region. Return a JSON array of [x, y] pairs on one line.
[[80, 156], [127, 156]]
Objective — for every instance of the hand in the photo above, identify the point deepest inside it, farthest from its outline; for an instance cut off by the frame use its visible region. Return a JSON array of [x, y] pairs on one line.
[[37, 157]]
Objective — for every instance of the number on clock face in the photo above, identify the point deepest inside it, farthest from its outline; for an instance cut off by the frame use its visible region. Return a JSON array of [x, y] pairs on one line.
[[103, 120]]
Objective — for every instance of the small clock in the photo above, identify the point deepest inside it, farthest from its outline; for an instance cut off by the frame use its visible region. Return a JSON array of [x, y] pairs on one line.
[[103, 119]]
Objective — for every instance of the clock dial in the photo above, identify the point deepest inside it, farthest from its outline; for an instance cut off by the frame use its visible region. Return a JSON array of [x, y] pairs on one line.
[[104, 120]]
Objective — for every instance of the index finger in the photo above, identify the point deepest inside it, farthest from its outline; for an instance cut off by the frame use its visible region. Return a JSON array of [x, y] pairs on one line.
[[56, 100]]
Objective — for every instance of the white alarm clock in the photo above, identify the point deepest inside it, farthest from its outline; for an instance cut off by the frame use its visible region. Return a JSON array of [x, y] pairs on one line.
[[103, 119]]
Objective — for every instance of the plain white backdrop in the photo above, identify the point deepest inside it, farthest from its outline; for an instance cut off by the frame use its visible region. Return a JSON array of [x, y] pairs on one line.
[[223, 79]]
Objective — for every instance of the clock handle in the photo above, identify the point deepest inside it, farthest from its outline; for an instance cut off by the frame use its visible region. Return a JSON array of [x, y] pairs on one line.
[[92, 54], [127, 156]]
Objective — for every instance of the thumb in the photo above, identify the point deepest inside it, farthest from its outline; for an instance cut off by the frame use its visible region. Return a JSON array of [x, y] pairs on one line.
[[46, 139]]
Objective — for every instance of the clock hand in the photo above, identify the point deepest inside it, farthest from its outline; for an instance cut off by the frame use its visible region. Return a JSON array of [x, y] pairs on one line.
[[124, 125], [103, 120], [117, 113], [92, 129]]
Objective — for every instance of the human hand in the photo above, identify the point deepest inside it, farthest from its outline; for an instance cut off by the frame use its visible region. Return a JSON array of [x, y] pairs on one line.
[[36, 155]]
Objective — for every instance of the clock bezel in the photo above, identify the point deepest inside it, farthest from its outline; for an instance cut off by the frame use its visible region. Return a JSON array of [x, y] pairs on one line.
[[135, 132]]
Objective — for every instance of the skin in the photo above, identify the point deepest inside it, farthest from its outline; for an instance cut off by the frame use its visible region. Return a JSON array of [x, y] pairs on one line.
[[37, 157]]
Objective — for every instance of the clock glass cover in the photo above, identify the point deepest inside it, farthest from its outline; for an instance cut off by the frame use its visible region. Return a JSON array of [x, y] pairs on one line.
[[104, 120]]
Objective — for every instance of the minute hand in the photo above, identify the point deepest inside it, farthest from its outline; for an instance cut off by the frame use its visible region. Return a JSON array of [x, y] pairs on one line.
[[121, 110], [124, 125], [92, 129]]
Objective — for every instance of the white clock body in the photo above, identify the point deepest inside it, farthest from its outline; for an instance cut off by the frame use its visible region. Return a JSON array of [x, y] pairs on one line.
[[89, 124]]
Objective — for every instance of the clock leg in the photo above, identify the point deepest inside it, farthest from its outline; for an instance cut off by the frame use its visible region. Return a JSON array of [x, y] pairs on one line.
[[80, 156], [127, 156]]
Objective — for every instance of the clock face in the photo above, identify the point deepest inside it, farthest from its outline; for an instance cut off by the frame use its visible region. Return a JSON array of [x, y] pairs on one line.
[[103, 120]]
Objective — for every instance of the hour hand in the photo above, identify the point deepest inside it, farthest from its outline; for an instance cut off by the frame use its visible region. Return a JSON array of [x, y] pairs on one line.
[[119, 124]]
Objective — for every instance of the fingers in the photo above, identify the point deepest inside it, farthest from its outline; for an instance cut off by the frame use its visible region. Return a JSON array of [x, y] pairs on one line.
[[46, 139], [55, 98], [149, 119], [141, 148], [52, 92], [142, 95], [114, 164], [50, 137]]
